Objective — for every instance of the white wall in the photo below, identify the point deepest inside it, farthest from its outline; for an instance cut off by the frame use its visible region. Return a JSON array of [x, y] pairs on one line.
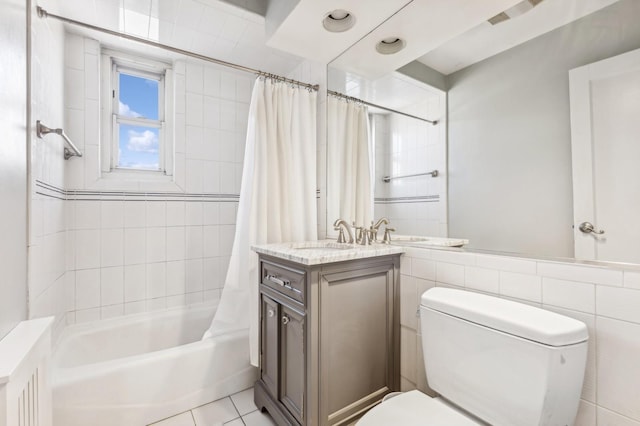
[[135, 245], [47, 227], [606, 299], [13, 164], [509, 136]]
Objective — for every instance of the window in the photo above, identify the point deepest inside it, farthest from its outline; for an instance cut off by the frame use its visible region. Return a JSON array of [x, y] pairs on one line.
[[139, 133]]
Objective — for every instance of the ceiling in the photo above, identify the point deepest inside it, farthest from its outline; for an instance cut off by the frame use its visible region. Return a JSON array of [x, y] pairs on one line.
[[208, 27]]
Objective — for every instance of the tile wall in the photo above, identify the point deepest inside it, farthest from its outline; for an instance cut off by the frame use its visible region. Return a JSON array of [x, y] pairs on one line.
[[605, 299], [403, 146], [47, 227], [136, 245]]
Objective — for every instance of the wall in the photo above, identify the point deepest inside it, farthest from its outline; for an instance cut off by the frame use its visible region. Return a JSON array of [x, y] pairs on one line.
[[403, 146], [47, 226], [135, 245], [13, 164], [509, 136], [605, 299]]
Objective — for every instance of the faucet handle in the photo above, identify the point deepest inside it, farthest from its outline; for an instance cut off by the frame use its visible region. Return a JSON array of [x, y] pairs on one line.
[[387, 235], [341, 237]]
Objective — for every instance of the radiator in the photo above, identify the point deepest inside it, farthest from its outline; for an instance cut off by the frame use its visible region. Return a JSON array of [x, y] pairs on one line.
[[25, 387]]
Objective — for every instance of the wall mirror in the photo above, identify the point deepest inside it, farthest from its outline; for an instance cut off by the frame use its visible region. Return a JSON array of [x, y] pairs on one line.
[[508, 106]]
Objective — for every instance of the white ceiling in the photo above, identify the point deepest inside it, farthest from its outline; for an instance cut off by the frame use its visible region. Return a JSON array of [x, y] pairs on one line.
[[209, 27], [486, 40]]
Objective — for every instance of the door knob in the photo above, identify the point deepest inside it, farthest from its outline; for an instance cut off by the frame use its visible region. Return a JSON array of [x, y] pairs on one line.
[[588, 228]]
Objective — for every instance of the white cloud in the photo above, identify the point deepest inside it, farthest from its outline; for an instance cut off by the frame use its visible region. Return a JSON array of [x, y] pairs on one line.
[[124, 109], [146, 141]]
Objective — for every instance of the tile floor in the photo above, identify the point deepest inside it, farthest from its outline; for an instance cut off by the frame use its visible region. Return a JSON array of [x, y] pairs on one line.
[[235, 410]]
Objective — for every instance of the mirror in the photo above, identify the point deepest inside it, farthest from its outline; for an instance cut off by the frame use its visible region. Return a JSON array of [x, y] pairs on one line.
[[506, 153]]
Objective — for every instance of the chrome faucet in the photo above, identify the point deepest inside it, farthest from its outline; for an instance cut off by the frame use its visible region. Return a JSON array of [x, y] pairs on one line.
[[376, 227], [341, 225]]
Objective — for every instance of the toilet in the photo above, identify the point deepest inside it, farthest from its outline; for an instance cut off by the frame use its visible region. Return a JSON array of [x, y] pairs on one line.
[[492, 361]]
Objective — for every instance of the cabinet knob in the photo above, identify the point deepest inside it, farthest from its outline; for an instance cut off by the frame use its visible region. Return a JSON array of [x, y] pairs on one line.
[[285, 319], [271, 313]]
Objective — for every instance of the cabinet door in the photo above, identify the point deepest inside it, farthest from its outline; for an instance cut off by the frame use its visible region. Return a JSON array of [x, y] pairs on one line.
[[357, 331], [269, 344], [292, 362]]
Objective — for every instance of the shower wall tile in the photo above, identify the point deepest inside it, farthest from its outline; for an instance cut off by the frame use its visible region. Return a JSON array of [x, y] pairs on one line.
[[135, 251], [612, 376]]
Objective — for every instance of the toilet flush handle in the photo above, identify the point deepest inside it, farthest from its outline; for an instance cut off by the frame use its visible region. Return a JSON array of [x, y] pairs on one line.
[[588, 228]]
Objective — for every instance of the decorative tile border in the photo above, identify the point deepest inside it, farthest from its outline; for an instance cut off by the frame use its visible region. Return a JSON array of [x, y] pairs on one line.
[[416, 199]]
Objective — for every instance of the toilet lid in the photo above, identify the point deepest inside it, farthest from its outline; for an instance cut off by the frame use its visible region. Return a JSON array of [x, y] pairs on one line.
[[414, 409]]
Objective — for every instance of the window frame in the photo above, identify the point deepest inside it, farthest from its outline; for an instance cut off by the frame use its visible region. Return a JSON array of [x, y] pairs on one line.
[[114, 63]]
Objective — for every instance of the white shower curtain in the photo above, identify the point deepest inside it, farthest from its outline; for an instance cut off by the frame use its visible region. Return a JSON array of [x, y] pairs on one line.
[[277, 197], [349, 180]]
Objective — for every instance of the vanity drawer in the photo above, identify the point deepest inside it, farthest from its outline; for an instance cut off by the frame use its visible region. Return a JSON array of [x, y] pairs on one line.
[[283, 279]]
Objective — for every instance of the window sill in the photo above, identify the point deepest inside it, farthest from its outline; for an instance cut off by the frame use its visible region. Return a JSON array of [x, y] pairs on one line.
[[137, 180]]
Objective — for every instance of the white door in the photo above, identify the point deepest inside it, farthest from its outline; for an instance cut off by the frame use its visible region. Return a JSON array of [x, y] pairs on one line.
[[605, 143]]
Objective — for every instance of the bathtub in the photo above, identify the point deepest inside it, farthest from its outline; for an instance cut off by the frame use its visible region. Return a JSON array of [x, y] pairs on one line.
[[135, 370]]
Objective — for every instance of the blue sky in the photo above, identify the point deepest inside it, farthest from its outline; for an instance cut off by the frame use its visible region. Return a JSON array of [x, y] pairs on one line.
[[138, 144]]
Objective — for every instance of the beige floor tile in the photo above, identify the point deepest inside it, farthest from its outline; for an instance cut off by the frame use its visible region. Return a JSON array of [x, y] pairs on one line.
[[214, 413], [184, 419], [257, 418], [244, 401]]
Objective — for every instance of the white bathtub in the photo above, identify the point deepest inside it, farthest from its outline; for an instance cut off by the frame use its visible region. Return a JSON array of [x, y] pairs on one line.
[[135, 370]]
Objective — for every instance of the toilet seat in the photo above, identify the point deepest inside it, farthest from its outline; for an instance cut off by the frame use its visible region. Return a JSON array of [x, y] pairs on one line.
[[414, 408]]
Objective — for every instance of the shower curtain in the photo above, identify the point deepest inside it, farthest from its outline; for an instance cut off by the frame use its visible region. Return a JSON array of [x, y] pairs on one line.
[[349, 170], [277, 196]]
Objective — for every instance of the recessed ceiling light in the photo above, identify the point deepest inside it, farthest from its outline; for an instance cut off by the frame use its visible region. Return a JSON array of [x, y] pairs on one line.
[[338, 21], [390, 45]]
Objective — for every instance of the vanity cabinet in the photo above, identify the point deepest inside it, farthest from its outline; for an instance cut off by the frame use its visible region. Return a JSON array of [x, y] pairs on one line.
[[329, 338]]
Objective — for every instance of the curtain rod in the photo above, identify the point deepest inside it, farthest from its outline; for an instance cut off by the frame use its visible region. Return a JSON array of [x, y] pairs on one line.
[[42, 13], [351, 98]]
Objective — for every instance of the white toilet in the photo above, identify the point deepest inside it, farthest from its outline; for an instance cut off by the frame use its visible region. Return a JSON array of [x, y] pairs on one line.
[[492, 361]]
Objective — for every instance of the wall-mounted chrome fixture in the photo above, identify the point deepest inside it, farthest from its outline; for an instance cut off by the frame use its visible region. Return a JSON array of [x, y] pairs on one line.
[[42, 130], [433, 173]]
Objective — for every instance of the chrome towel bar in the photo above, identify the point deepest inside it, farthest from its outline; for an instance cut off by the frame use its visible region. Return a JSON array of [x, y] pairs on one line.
[[42, 130], [433, 173]]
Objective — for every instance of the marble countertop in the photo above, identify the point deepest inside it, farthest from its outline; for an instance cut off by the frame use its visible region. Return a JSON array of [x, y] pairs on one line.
[[419, 241], [325, 251]]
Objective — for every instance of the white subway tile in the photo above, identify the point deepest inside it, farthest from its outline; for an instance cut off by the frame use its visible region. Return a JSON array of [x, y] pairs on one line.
[[156, 245], [227, 235], [584, 273], [211, 238], [458, 258], [605, 417], [195, 77], [87, 248], [111, 286], [405, 265], [631, 279], [194, 109], [618, 369], [507, 264], [211, 177], [175, 213], [176, 276], [211, 82], [135, 214], [111, 214], [112, 311], [156, 280], [136, 307], [521, 286], [194, 279], [211, 214], [135, 243], [482, 279], [87, 315], [448, 273], [194, 242], [135, 283], [618, 303], [408, 354], [87, 289], [156, 214], [408, 290], [423, 268], [212, 274], [194, 213], [228, 213], [91, 77], [112, 247], [176, 243], [568, 294], [194, 176], [87, 214]]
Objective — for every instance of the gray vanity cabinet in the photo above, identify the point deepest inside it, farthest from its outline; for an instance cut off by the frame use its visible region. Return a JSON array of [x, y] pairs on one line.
[[330, 339]]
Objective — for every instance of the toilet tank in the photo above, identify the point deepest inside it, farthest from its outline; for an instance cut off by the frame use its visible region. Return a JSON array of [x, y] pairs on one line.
[[507, 363]]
